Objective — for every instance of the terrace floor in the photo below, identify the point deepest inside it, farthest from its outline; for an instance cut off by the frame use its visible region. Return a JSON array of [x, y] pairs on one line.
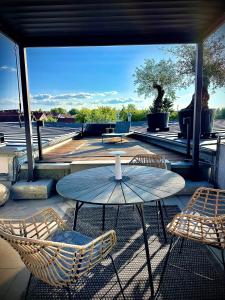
[[94, 149]]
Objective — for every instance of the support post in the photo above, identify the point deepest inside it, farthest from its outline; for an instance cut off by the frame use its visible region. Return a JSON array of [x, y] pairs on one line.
[[197, 106], [27, 113], [39, 125]]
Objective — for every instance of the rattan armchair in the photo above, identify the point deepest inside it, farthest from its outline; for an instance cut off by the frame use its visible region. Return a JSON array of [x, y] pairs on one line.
[[150, 160], [52, 252], [203, 221]]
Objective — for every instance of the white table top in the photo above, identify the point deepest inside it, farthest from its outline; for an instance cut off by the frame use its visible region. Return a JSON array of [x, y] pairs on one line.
[[139, 184]]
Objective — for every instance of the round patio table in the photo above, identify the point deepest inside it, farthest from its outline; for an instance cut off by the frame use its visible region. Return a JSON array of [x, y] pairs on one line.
[[139, 185]]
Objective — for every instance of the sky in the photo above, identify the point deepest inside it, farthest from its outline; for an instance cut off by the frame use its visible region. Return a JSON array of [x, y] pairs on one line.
[[78, 77]]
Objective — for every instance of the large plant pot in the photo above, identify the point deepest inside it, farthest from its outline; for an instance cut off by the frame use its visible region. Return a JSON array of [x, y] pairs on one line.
[[158, 121], [206, 122]]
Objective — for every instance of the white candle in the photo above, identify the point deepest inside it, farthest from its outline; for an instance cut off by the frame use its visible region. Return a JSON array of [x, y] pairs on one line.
[[118, 169]]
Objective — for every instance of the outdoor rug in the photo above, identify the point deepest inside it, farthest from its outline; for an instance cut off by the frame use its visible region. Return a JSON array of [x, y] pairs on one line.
[[190, 274]]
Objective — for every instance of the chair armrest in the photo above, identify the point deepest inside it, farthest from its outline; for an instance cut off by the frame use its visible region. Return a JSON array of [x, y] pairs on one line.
[[91, 254], [40, 225], [108, 238], [101, 246]]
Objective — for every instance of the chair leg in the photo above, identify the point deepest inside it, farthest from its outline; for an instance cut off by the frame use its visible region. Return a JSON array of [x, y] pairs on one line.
[[164, 208], [28, 286], [157, 216], [162, 222], [172, 245], [181, 245], [118, 279]]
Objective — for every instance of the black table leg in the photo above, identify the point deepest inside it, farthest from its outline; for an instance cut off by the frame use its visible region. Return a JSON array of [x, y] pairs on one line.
[[117, 215], [103, 217], [162, 221], [76, 214], [141, 213]]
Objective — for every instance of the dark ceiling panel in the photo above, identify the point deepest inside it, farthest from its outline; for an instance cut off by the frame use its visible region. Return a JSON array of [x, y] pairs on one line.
[[115, 22]]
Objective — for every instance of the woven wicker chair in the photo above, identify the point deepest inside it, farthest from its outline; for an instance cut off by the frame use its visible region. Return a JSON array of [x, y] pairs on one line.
[[150, 160], [62, 259], [157, 161], [203, 221]]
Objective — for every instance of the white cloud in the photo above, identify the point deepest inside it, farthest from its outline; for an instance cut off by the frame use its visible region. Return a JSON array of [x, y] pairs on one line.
[[106, 94], [9, 103], [7, 68], [80, 99], [115, 101], [73, 96]]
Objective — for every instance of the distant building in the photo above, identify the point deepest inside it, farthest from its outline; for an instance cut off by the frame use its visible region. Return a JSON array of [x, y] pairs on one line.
[[39, 116], [10, 115], [56, 115], [66, 119]]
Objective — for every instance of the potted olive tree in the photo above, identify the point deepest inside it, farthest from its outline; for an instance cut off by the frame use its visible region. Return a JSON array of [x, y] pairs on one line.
[[161, 77], [213, 77]]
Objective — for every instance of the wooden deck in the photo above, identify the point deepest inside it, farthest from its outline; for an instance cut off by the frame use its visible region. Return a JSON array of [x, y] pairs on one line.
[[94, 149]]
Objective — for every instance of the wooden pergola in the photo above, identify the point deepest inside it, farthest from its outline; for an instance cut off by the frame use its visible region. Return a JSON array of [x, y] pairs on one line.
[[48, 23]]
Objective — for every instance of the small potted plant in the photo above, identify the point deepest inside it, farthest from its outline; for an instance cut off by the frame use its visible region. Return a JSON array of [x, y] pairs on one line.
[[157, 76]]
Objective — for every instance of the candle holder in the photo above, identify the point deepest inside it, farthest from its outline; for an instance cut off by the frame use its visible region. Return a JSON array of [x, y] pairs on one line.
[[118, 170]]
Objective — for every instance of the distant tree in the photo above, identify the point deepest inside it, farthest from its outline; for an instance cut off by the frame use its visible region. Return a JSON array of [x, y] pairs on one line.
[[83, 115], [220, 113], [174, 116], [213, 66], [157, 76], [107, 113], [58, 110], [51, 119], [74, 111], [137, 114]]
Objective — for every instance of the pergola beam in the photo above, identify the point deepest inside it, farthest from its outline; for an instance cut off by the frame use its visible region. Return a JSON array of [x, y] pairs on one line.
[[7, 31], [27, 112]]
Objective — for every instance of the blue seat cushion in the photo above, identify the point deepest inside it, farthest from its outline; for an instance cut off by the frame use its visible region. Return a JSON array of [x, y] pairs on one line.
[[71, 237]]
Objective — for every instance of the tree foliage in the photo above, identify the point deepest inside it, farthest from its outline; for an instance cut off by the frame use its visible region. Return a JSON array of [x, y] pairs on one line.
[[108, 114], [213, 62], [73, 111], [51, 119], [136, 114], [220, 113], [160, 74], [58, 110]]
